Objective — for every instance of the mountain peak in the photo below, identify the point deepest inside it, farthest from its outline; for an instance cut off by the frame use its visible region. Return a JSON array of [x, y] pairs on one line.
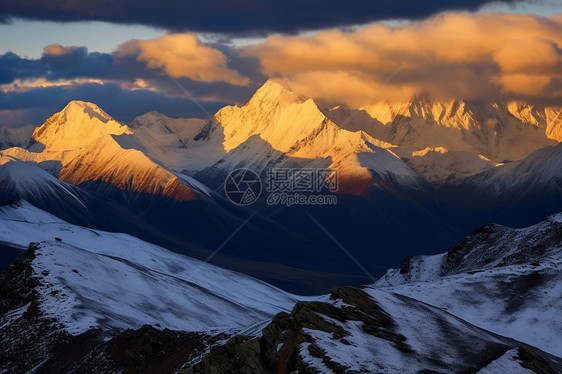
[[77, 125], [274, 93]]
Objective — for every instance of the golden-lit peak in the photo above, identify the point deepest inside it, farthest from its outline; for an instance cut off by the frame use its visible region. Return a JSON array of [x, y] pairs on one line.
[[77, 125]]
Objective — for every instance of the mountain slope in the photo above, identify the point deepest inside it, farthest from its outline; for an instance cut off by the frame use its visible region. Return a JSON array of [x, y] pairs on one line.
[[21, 180], [380, 332], [69, 297], [539, 169], [441, 166], [517, 194], [110, 281], [504, 280]]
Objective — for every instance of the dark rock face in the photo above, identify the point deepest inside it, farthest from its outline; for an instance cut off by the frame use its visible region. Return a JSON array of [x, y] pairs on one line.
[[146, 350], [277, 351], [288, 339], [495, 245], [26, 335], [30, 340]]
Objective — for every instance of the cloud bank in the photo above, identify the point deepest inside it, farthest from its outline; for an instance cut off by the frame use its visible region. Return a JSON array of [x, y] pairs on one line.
[[492, 56], [235, 16], [183, 55]]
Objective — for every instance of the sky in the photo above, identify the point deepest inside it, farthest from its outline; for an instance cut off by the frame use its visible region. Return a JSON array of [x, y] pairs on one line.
[[131, 57]]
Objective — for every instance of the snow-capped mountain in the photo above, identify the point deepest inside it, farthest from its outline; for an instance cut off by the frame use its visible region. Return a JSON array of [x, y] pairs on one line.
[[277, 127], [516, 194], [163, 138], [299, 130], [504, 280], [82, 140], [441, 166], [541, 168], [445, 140], [437, 139]]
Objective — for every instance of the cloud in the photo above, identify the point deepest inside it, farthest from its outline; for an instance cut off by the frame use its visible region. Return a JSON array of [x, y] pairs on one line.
[[59, 50], [235, 16], [487, 56], [532, 54], [124, 82], [183, 55], [212, 74], [13, 67]]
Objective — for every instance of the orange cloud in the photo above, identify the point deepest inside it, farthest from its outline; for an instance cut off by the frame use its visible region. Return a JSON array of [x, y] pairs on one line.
[[524, 84], [529, 55], [183, 55], [58, 50], [484, 56]]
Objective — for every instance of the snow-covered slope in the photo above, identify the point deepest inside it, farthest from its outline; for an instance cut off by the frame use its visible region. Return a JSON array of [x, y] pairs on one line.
[[540, 169], [439, 165], [504, 280], [22, 180], [95, 279], [445, 313]]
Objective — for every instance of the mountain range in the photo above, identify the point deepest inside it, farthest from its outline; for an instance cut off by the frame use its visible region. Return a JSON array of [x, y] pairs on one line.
[[437, 170]]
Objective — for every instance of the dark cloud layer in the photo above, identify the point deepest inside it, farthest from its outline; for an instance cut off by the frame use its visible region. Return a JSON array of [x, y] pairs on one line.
[[68, 63], [14, 67], [235, 16]]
